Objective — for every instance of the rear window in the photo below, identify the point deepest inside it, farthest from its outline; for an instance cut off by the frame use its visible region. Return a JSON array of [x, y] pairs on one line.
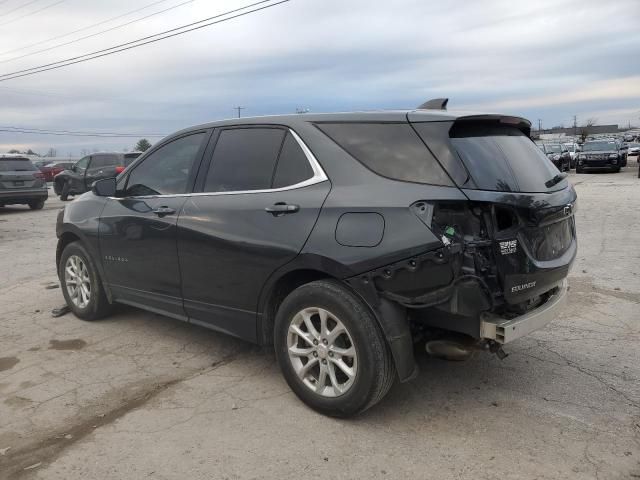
[[392, 150], [16, 165], [130, 157], [503, 158]]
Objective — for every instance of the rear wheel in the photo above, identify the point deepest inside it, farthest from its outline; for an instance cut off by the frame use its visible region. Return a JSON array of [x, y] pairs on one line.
[[81, 284], [331, 350], [36, 204], [64, 192]]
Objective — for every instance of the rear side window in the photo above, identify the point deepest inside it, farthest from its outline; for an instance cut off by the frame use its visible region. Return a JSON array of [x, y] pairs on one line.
[[293, 166], [503, 158], [101, 160], [392, 150], [16, 165], [244, 159]]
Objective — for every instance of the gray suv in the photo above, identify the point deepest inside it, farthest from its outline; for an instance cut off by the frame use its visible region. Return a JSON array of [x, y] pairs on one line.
[[21, 182]]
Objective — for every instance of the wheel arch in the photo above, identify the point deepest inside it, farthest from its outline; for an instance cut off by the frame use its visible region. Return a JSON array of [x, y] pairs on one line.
[[70, 235], [391, 318]]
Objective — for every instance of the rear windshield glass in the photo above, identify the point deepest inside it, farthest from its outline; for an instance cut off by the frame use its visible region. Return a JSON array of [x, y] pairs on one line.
[[503, 158], [16, 165], [392, 150]]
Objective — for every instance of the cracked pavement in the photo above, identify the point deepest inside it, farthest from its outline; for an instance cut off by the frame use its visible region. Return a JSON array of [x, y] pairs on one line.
[[139, 395]]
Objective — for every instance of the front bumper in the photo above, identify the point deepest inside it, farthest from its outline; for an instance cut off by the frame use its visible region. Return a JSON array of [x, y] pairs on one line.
[[504, 330]]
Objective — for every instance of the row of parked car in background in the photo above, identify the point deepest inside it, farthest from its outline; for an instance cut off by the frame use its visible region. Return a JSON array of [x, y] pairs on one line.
[[25, 182], [596, 154]]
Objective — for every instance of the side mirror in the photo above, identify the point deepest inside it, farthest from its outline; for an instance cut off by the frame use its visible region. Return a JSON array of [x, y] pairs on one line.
[[104, 188]]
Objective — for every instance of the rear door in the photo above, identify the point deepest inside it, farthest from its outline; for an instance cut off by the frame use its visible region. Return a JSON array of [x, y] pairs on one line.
[[138, 229], [261, 191], [532, 205]]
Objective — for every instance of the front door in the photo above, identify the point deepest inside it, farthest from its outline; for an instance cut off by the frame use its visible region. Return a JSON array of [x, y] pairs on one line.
[[138, 229], [259, 202]]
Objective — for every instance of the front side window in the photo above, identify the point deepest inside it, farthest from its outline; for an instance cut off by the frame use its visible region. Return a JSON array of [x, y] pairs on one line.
[[392, 150], [166, 171], [82, 163], [244, 159]]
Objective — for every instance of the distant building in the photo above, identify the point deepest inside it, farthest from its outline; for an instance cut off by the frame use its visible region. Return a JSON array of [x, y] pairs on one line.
[[593, 130]]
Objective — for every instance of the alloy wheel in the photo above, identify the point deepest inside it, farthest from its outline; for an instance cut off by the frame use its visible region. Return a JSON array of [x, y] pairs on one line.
[[77, 281], [321, 352]]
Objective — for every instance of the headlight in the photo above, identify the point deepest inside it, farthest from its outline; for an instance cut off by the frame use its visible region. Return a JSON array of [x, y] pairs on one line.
[[556, 157], [582, 156], [613, 155]]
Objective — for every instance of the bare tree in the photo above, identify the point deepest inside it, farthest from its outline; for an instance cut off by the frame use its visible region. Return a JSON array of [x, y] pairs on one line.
[[586, 128], [51, 152]]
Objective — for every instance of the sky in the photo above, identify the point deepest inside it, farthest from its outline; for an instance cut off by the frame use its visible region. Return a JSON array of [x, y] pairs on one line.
[[546, 60]]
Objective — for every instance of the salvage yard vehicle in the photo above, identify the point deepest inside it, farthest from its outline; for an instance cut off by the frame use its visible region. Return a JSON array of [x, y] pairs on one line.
[[559, 155], [21, 183], [50, 170], [84, 172], [341, 239], [600, 155]]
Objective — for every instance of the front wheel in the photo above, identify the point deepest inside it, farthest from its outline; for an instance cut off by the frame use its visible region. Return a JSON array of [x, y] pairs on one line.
[[81, 284], [331, 349]]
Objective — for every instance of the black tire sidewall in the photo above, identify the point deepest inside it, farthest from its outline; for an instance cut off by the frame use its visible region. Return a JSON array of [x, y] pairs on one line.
[[92, 310], [36, 204], [366, 336], [64, 192]]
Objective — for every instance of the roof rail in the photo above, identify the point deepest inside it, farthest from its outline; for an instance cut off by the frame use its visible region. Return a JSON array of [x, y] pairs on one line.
[[434, 104]]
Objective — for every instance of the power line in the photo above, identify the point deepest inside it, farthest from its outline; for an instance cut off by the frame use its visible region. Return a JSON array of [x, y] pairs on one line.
[[74, 133], [136, 43], [19, 7], [29, 14], [83, 28], [97, 33]]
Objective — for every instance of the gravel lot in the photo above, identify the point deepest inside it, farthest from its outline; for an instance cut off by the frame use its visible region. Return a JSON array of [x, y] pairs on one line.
[[142, 396]]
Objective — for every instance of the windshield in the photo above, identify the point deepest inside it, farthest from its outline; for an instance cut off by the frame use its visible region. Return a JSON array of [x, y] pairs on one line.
[[595, 146], [571, 147], [503, 158], [554, 149], [16, 165]]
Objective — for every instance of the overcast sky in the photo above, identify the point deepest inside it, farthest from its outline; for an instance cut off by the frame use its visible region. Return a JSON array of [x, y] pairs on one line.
[[539, 59]]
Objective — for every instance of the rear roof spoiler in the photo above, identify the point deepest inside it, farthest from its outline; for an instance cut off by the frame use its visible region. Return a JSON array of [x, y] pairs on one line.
[[434, 104]]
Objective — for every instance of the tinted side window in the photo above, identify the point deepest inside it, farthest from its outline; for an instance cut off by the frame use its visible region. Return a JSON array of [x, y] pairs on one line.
[[293, 165], [166, 171], [82, 163], [244, 159], [98, 161], [392, 150]]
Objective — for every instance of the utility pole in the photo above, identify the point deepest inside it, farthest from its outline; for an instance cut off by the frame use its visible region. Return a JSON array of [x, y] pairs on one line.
[[239, 108], [539, 126], [575, 125]]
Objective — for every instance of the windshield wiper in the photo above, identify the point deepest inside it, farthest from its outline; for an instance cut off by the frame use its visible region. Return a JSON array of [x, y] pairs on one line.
[[556, 180]]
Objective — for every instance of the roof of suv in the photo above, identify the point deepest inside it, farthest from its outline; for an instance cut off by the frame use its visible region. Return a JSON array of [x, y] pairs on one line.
[[366, 116]]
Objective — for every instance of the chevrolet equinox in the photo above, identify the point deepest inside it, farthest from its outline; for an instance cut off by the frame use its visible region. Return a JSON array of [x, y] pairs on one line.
[[340, 239]]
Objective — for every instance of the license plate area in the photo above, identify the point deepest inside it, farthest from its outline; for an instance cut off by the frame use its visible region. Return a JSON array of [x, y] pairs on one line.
[[18, 183]]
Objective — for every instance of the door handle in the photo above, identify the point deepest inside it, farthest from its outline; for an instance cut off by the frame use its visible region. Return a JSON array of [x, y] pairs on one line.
[[281, 208], [162, 211]]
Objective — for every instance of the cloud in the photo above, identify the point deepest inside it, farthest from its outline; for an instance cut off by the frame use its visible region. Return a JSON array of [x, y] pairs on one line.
[[546, 59]]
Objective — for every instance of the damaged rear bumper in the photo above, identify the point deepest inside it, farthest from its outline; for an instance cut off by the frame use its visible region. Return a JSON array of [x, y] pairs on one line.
[[504, 330]]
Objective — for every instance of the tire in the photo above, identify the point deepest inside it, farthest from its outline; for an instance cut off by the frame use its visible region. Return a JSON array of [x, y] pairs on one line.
[[371, 363], [579, 170], [36, 204], [98, 305], [64, 193], [615, 170]]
